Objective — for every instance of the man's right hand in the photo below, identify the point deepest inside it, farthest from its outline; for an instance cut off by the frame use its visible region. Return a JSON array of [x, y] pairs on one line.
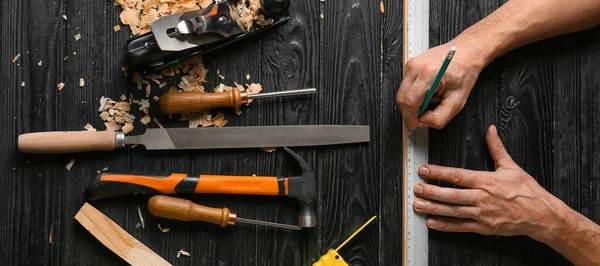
[[454, 88]]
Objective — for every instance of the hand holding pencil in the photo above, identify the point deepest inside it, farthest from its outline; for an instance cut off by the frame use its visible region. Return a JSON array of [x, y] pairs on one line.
[[430, 77]]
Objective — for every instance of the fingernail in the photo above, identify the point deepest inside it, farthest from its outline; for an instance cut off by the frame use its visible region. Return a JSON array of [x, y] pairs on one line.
[[419, 204], [431, 222], [423, 170], [494, 131], [418, 189]]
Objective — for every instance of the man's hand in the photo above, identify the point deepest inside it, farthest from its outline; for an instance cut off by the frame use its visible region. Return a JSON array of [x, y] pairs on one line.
[[505, 202], [454, 88]]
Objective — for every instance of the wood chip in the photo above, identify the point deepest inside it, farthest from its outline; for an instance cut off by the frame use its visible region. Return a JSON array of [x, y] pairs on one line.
[[16, 58], [65, 17], [50, 236], [157, 123], [117, 28], [23, 84], [164, 230], [182, 252], [70, 164], [269, 149], [60, 86], [381, 7], [40, 63], [81, 82], [123, 106], [221, 76], [77, 37], [219, 120], [127, 128], [89, 127], [144, 104], [247, 76], [156, 98], [141, 218], [145, 120]]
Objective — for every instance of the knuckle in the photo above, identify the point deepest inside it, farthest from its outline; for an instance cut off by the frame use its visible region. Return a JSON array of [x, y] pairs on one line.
[[477, 211], [460, 226], [456, 196], [409, 101], [455, 176], [456, 211], [430, 70]]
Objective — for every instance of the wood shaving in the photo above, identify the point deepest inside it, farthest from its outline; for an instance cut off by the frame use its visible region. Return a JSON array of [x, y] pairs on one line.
[[157, 123], [141, 218], [381, 7], [127, 128], [269, 149], [253, 88], [222, 77], [81, 82], [145, 120], [164, 230], [156, 98], [219, 120], [60, 86], [70, 164], [144, 104], [77, 37], [249, 14], [182, 252], [123, 97], [89, 127], [23, 84], [50, 236], [116, 114], [16, 58], [247, 76], [105, 168], [40, 63], [117, 28], [65, 17]]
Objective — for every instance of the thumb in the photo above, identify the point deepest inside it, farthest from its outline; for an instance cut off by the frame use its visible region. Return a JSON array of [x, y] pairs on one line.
[[497, 149]]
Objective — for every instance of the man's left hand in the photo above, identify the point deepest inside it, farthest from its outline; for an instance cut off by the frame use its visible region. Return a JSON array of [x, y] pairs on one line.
[[505, 202]]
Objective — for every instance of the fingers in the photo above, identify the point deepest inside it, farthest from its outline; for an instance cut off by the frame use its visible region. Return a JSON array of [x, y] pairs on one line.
[[443, 209], [497, 149], [454, 225], [447, 195], [442, 114], [412, 92], [457, 176]]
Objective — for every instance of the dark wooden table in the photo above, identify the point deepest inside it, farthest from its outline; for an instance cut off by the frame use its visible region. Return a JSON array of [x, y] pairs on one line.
[[544, 98]]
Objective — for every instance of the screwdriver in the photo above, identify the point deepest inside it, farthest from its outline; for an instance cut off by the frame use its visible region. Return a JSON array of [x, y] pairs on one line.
[[197, 101], [185, 211]]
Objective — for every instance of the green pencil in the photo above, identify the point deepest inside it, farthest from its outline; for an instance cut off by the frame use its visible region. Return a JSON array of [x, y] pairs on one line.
[[437, 80]]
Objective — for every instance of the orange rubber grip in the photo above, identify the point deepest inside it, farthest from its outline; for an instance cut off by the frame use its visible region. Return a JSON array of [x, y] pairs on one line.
[[108, 185], [248, 185]]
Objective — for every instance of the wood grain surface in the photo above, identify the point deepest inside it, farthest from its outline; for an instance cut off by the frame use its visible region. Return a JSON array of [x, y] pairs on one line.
[[545, 100], [543, 97]]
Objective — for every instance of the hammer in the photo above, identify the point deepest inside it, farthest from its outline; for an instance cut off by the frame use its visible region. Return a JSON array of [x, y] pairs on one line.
[[302, 188]]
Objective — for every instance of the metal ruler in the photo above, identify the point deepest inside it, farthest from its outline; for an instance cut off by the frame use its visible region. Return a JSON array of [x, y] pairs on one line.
[[415, 145]]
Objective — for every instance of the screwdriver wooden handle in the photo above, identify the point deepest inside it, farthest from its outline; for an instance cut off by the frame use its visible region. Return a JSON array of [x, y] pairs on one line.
[[185, 210], [197, 101]]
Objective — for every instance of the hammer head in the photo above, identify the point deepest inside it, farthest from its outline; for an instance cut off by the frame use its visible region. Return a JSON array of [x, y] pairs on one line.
[[304, 189]]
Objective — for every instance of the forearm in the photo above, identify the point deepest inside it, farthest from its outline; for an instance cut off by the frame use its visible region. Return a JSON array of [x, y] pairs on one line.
[[520, 22], [571, 234]]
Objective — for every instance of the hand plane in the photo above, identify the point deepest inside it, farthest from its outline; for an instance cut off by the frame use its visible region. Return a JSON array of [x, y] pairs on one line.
[[178, 37]]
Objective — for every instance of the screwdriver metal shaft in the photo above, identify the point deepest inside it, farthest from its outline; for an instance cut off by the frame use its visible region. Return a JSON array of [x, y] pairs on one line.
[[282, 93], [250, 221]]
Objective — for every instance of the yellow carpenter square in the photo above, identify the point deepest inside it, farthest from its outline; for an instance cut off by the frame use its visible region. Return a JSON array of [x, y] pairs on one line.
[[333, 258]]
